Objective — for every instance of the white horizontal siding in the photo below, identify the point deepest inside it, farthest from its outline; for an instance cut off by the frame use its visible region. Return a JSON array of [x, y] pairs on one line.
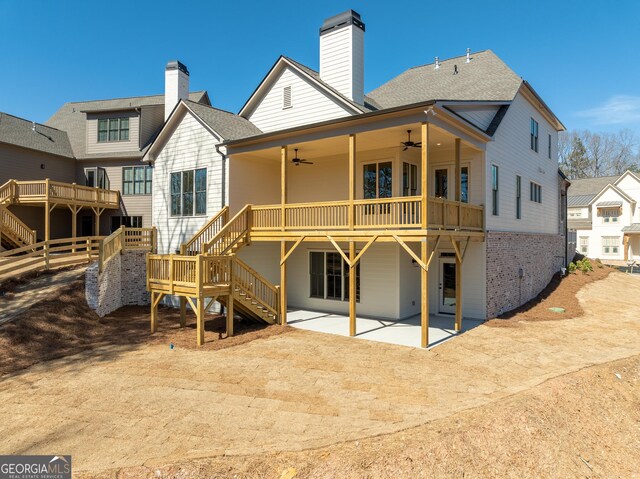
[[191, 146], [309, 104], [512, 153]]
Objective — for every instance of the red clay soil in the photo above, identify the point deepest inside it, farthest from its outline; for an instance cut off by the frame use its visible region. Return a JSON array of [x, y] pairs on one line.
[[65, 325], [559, 293]]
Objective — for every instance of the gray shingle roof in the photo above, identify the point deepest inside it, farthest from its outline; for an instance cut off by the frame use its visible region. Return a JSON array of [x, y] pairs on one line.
[[484, 78], [227, 124], [579, 200], [72, 119], [20, 132], [634, 228], [590, 186]]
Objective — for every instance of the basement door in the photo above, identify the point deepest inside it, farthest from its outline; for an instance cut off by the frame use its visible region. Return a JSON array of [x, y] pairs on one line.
[[447, 296]]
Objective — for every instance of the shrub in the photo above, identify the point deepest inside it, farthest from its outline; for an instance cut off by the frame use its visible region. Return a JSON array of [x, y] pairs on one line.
[[584, 265], [572, 268]]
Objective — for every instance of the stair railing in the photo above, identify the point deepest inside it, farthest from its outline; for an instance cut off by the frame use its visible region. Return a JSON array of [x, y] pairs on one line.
[[238, 228], [255, 286], [196, 244]]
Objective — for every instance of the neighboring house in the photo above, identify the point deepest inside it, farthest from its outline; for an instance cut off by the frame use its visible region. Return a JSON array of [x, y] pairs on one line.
[[604, 221], [109, 139], [93, 143], [470, 209]]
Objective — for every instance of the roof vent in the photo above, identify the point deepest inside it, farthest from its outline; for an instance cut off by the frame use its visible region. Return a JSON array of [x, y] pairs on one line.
[[33, 126], [455, 69], [468, 55], [437, 63]]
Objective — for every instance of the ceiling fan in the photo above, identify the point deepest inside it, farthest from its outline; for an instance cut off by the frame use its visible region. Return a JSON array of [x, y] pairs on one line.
[[299, 161], [410, 144]]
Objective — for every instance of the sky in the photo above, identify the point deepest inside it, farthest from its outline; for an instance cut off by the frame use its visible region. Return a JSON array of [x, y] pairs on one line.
[[582, 57]]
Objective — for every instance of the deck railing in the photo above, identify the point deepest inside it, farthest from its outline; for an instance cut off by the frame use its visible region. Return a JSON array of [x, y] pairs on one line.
[[12, 226], [230, 234], [126, 239], [196, 244], [195, 275], [384, 213], [55, 191]]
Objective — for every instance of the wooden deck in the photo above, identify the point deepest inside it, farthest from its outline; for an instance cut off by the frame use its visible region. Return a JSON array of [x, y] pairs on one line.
[[55, 192]]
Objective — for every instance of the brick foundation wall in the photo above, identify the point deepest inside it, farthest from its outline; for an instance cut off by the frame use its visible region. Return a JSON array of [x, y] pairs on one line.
[[122, 283], [539, 256]]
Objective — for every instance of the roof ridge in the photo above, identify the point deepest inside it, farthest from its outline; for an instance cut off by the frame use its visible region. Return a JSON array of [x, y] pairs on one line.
[[213, 108], [125, 98], [31, 121], [452, 58]]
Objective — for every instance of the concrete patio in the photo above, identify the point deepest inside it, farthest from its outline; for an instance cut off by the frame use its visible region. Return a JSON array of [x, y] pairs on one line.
[[405, 332]]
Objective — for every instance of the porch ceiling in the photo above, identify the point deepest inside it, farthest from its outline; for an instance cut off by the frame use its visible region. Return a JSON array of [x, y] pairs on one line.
[[440, 140]]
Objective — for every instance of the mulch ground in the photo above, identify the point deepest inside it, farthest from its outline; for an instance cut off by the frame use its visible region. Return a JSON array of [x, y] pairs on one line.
[[64, 325], [559, 293]]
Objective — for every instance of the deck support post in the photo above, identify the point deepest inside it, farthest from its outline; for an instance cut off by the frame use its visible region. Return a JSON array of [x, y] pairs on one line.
[[155, 301], [352, 180], [352, 288], [283, 185], [424, 294], [424, 244], [230, 312], [47, 221], [283, 283], [200, 320], [183, 311], [458, 180]]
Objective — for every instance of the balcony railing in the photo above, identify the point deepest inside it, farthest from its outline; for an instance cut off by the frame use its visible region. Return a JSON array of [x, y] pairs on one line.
[[54, 191], [385, 213]]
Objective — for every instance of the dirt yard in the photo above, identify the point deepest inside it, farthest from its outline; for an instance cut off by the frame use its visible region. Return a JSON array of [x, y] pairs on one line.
[[539, 399]]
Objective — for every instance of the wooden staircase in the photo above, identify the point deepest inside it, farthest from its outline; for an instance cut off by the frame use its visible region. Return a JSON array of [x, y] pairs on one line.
[[254, 297], [13, 232]]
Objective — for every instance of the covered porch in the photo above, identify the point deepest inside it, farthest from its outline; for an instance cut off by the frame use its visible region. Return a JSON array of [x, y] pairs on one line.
[[413, 178]]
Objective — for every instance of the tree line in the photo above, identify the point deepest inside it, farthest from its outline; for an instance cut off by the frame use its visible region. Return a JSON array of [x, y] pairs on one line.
[[587, 154]]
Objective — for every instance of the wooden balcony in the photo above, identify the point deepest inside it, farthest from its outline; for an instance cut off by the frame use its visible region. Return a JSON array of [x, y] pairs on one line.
[[55, 192], [403, 213]]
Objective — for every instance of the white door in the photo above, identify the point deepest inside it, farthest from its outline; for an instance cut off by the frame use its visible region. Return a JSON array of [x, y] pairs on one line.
[[447, 303]]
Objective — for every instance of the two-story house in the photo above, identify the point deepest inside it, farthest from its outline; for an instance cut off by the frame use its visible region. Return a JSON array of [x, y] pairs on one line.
[[604, 221], [96, 144], [435, 193]]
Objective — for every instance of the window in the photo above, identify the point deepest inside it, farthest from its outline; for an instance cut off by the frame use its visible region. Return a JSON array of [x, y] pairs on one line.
[[610, 215], [96, 177], [329, 276], [494, 190], [409, 179], [535, 192], [534, 135], [189, 192], [128, 221], [377, 180], [518, 197], [464, 184], [584, 244], [610, 244], [286, 97], [113, 129], [549, 147], [576, 214], [136, 180]]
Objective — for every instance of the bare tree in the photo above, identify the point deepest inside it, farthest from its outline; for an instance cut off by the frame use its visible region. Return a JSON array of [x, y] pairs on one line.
[[584, 154]]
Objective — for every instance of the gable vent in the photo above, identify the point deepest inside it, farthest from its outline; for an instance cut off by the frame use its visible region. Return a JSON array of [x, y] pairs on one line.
[[286, 97]]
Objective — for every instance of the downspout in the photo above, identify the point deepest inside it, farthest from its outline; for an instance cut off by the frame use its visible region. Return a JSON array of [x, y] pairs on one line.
[[224, 176]]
